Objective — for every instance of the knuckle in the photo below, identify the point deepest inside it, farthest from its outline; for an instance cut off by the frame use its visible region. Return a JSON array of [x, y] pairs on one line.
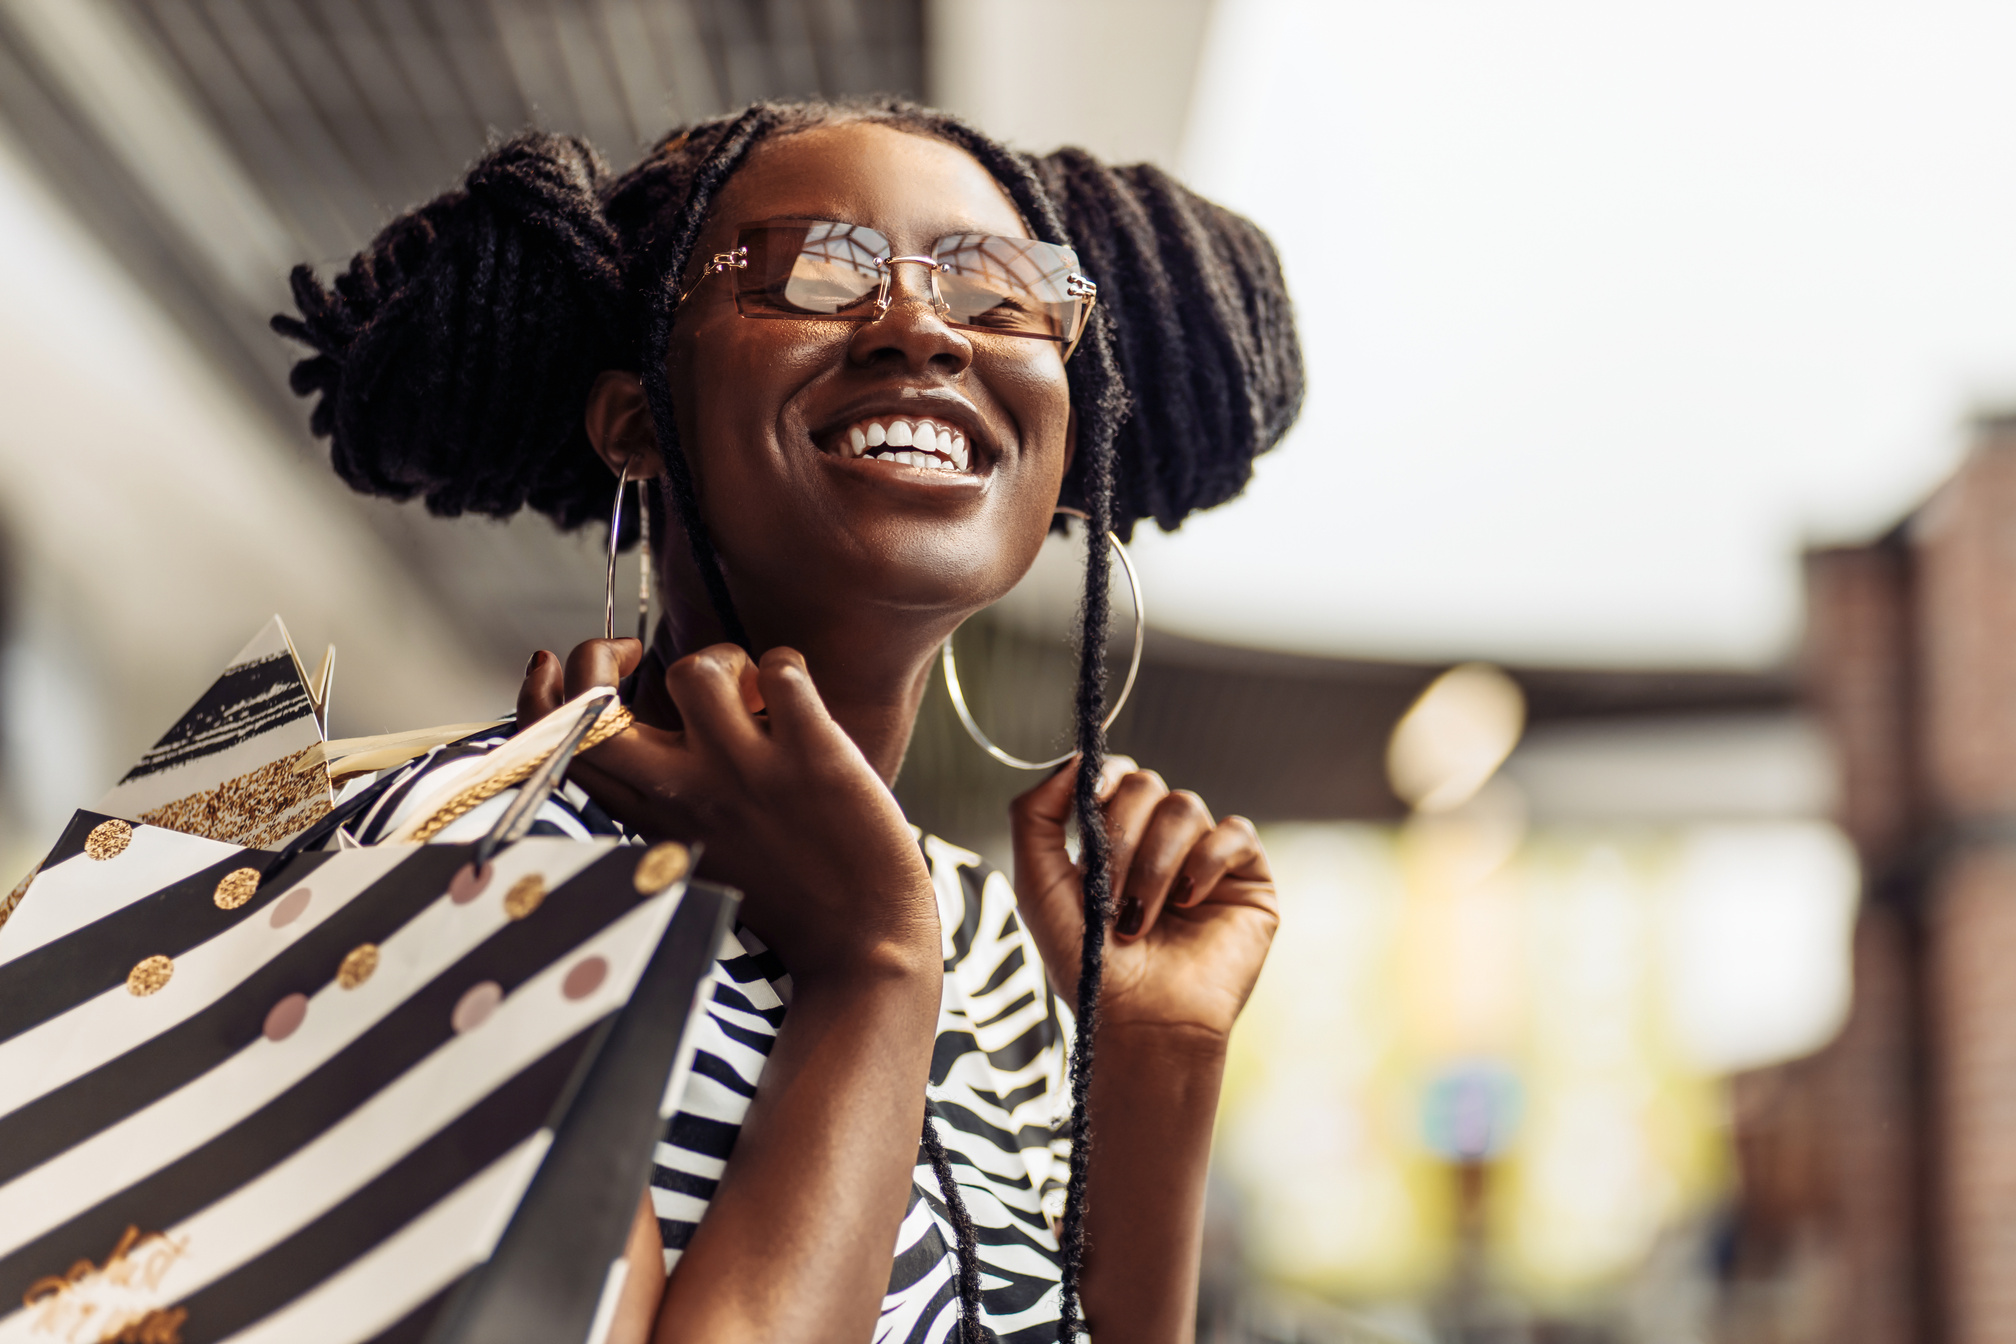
[[1140, 783], [781, 658], [721, 659], [702, 665], [785, 677]]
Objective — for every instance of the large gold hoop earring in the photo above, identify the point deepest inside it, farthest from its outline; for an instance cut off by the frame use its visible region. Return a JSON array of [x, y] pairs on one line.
[[644, 557], [973, 729]]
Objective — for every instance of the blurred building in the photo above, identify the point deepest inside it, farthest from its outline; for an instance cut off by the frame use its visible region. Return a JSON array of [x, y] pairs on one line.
[[1884, 1169]]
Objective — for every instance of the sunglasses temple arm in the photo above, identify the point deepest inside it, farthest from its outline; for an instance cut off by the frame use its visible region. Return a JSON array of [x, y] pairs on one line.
[[1084, 325], [738, 260]]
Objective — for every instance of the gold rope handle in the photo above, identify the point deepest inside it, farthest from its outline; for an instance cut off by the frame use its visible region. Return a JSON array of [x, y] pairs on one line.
[[473, 797]]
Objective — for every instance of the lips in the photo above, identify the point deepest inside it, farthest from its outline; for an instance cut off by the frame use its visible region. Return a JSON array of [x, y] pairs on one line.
[[907, 440]]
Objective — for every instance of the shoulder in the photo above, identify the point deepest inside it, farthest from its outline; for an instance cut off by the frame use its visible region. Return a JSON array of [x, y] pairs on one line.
[[975, 900], [998, 1002]]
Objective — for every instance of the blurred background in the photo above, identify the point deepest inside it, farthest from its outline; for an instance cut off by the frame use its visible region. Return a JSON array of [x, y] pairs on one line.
[[1620, 655]]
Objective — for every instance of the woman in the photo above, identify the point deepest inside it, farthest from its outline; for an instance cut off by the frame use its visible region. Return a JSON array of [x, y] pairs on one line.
[[546, 332]]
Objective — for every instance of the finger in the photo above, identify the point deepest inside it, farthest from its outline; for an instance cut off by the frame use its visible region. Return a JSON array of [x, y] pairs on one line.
[[783, 683], [1046, 880], [1232, 849], [601, 662], [1127, 811], [1045, 808], [707, 689], [626, 772], [1179, 821], [542, 691], [1116, 769]]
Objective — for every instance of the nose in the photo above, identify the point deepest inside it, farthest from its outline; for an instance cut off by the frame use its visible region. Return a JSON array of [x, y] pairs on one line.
[[911, 327]]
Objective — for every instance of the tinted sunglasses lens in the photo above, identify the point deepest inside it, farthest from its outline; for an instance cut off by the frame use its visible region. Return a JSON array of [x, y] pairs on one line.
[[1011, 285], [809, 268]]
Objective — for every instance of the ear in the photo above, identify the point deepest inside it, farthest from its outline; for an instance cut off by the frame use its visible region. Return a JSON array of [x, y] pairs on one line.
[[619, 425], [1070, 440]]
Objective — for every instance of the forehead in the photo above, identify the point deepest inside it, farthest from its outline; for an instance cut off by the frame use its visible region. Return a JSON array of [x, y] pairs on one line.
[[913, 188]]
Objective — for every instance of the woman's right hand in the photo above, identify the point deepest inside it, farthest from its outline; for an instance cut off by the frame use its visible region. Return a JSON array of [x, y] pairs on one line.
[[797, 1238], [787, 807]]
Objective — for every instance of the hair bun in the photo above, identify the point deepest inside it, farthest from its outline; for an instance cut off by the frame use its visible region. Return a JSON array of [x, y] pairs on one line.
[[1201, 329], [454, 355]]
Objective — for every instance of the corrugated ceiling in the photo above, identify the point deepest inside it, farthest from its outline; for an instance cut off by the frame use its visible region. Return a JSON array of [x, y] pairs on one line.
[[345, 111]]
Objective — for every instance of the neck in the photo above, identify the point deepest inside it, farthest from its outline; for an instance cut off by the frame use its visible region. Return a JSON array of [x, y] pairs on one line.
[[870, 674]]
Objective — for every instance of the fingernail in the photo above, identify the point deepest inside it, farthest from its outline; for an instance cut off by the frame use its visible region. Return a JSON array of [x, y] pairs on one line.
[[1129, 922], [1180, 893], [529, 667]]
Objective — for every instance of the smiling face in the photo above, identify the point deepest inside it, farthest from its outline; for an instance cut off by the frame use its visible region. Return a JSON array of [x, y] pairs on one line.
[[796, 429]]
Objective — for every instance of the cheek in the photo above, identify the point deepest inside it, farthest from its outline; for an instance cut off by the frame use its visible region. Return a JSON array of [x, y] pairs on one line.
[[729, 382], [1037, 396], [1039, 399]]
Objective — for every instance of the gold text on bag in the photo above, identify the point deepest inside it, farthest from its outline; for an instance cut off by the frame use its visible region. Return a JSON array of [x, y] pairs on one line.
[[111, 1301]]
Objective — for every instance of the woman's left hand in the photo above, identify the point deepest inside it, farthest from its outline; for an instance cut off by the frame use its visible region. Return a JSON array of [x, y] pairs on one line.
[[1193, 899]]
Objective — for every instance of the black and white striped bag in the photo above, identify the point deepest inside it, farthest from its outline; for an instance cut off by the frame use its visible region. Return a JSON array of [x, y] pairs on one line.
[[337, 1096]]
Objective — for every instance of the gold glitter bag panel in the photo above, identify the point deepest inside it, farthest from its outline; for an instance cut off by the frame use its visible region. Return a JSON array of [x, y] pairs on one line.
[[226, 770]]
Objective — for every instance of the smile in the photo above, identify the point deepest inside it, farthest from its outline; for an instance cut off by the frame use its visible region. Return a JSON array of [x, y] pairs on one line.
[[907, 441]]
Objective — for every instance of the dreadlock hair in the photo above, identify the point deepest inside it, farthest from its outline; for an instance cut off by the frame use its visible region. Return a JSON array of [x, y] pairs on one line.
[[454, 358]]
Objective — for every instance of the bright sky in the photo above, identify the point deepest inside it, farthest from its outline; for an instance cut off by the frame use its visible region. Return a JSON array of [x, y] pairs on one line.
[[1608, 308]]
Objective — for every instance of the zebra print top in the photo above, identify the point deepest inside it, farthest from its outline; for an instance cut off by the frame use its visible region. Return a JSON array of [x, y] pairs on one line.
[[997, 1077]]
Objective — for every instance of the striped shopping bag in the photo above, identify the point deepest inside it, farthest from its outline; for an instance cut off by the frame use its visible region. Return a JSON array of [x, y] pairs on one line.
[[370, 1094]]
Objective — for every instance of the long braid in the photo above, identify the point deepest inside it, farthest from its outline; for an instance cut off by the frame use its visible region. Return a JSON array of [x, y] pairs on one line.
[[1100, 399], [965, 1237], [455, 355], [1095, 865], [741, 135]]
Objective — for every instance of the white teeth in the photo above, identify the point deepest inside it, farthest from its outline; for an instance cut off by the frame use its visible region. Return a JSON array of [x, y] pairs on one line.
[[932, 446]]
